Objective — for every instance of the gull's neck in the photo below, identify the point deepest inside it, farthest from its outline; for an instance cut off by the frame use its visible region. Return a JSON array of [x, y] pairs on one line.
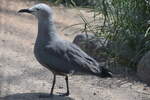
[[47, 30]]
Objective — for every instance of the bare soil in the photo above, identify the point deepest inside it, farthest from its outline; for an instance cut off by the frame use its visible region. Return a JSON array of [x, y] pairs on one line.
[[23, 78]]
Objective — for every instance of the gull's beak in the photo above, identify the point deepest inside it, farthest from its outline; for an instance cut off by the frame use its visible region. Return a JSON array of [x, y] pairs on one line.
[[25, 11]]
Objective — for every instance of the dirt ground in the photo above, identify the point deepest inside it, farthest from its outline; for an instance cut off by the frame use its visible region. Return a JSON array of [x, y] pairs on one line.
[[23, 78]]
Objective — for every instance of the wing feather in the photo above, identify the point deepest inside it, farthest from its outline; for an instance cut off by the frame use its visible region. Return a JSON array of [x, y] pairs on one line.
[[71, 58]]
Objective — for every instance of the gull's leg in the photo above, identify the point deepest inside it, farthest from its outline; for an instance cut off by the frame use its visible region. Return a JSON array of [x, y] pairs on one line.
[[51, 94], [67, 93], [67, 84], [53, 85]]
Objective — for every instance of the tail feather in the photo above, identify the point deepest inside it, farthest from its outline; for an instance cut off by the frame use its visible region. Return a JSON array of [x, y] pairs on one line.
[[104, 73]]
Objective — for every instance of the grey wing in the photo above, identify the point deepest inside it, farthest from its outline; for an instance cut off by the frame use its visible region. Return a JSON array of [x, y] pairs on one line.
[[82, 60], [68, 58]]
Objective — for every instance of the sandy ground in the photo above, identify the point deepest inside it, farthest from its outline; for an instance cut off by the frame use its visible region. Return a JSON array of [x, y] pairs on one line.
[[23, 78]]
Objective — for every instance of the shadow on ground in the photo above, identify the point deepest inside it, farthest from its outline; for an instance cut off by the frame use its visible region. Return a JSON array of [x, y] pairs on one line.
[[34, 96]]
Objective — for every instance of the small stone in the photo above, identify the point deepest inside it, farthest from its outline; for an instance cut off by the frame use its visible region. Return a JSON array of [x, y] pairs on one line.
[[3, 40], [60, 87], [94, 93]]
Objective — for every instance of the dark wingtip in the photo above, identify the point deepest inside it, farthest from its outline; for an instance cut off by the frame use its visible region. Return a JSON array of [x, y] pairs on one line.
[[106, 73]]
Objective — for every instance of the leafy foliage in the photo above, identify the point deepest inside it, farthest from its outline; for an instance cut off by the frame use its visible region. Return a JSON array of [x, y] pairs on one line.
[[125, 26], [74, 2]]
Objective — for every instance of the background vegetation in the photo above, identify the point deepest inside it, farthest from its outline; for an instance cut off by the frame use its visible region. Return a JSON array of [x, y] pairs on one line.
[[74, 2], [125, 25]]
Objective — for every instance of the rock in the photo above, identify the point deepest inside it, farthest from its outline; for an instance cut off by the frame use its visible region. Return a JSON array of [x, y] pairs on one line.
[[94, 93], [97, 47], [82, 38], [94, 46], [143, 69]]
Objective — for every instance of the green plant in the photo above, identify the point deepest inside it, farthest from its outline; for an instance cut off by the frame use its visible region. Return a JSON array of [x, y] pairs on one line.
[[74, 2], [124, 24]]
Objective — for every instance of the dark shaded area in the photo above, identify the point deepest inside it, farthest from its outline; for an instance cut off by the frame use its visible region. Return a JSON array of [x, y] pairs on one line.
[[34, 96]]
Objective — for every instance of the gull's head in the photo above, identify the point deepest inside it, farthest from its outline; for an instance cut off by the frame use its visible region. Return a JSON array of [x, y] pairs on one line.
[[40, 11]]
